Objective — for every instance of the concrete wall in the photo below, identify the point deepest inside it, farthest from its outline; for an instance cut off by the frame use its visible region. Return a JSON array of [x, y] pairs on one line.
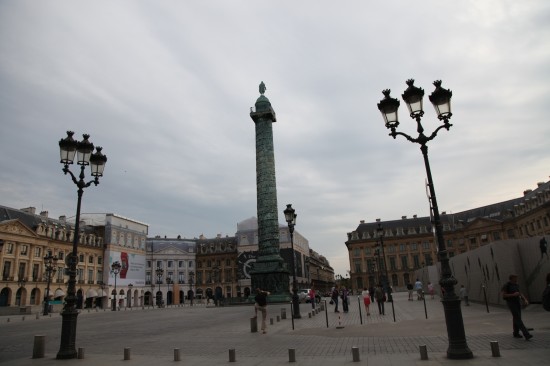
[[491, 265]]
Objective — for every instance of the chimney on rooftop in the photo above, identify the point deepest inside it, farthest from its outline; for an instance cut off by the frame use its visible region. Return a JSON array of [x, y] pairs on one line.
[[31, 210], [44, 214]]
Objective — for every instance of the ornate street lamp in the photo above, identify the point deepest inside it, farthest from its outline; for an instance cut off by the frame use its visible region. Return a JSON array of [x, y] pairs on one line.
[[290, 217], [159, 271], [115, 269], [50, 266], [68, 147], [441, 100]]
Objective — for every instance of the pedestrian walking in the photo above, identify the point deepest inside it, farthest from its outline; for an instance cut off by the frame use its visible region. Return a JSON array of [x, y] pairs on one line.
[[334, 297], [418, 288], [380, 297], [366, 300], [464, 295], [261, 305], [431, 289], [371, 293], [311, 295], [543, 247], [410, 290], [344, 296], [514, 298]]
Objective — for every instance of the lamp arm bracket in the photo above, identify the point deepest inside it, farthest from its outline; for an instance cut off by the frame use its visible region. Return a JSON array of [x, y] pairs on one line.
[[446, 125], [395, 133]]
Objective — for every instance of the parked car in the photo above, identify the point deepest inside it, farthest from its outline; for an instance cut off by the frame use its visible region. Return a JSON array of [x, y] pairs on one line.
[[303, 295]]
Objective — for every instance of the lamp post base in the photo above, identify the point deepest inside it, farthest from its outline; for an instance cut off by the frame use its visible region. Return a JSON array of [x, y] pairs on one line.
[[67, 350], [458, 347], [296, 306]]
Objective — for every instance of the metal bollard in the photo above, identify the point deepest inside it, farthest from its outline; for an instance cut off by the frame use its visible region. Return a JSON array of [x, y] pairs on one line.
[[291, 355], [39, 348], [177, 354], [127, 353], [232, 357], [355, 354], [283, 313], [37, 316], [495, 349], [309, 315], [423, 352], [80, 354], [253, 325]]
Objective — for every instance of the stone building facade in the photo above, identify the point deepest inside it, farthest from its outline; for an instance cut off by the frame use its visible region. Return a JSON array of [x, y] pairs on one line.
[[409, 244], [26, 238]]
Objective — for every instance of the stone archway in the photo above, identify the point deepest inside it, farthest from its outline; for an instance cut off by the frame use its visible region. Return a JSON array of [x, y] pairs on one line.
[[5, 296]]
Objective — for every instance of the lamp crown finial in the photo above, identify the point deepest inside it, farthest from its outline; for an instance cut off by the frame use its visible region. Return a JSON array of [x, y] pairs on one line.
[[410, 82], [437, 83], [386, 93]]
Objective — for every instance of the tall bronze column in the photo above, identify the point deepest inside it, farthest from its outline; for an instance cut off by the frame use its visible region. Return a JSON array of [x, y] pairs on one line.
[[269, 272]]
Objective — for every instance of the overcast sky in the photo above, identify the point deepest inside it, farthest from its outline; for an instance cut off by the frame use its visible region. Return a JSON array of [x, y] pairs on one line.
[[165, 87]]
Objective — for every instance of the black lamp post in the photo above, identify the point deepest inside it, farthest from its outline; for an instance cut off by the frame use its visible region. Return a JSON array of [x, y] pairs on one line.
[[389, 289], [159, 271], [191, 282], [290, 217], [50, 264], [84, 151], [441, 100], [115, 269]]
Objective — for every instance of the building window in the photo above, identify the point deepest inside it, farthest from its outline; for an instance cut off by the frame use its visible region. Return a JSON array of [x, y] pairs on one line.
[[394, 280], [391, 249], [147, 278], [496, 235], [367, 251], [90, 276], [6, 271], [449, 243], [99, 276], [37, 252], [416, 261], [426, 245], [181, 264], [170, 264], [428, 259], [228, 262], [159, 264], [36, 272], [81, 258], [356, 252], [402, 247], [414, 247], [91, 259], [473, 241], [511, 234], [393, 265], [190, 264], [99, 260], [357, 265], [148, 264], [21, 272], [404, 262], [181, 277], [24, 249], [370, 265], [60, 255], [60, 274]]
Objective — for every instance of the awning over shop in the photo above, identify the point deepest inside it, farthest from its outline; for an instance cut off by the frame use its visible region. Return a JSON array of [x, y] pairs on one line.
[[91, 293], [59, 293], [101, 293]]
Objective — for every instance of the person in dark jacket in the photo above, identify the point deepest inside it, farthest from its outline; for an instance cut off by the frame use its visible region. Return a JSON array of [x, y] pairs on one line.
[[510, 292], [261, 305]]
